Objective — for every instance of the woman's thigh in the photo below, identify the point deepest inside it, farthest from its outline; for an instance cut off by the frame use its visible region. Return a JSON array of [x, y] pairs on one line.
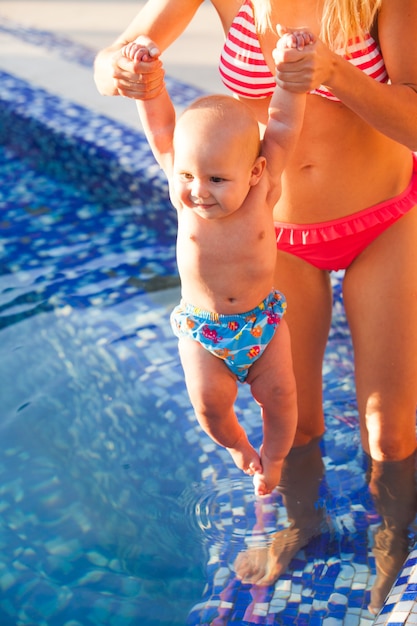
[[309, 310], [380, 294]]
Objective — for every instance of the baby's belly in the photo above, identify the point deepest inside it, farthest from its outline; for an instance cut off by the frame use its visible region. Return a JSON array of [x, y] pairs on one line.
[[228, 289]]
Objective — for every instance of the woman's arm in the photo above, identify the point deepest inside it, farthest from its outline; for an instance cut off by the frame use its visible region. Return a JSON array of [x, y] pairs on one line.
[[389, 108], [162, 21]]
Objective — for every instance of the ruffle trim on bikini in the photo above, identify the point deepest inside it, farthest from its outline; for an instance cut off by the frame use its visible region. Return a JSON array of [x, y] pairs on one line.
[[378, 215]]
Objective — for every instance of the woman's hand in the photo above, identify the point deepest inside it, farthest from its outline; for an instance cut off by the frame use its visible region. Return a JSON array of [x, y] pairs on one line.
[[137, 70], [144, 79], [305, 64]]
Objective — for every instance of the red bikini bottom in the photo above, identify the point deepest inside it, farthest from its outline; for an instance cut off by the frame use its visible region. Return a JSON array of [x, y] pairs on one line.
[[335, 244]]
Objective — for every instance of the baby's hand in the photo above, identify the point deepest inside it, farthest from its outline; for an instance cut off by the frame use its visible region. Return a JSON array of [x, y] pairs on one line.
[[294, 39], [142, 49]]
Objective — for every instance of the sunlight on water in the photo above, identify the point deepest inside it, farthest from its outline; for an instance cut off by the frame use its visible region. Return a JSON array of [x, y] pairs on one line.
[[115, 507], [90, 495]]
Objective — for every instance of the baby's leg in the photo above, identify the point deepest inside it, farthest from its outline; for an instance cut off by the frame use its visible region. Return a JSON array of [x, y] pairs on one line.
[[245, 456], [273, 387], [213, 389]]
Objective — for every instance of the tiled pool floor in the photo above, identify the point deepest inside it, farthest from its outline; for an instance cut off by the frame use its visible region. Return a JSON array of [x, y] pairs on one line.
[[116, 509], [111, 496]]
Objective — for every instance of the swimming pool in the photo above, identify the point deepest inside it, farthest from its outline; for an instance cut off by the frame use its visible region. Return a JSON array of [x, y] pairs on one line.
[[116, 509]]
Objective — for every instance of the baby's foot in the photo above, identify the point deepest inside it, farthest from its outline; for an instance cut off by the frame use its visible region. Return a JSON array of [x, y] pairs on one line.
[[245, 456], [261, 484], [266, 480]]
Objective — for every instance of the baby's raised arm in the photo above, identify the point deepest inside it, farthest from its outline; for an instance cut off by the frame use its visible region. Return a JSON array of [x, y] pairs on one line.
[[285, 115], [157, 114]]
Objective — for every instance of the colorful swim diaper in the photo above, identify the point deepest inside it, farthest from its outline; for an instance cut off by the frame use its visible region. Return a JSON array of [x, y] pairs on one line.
[[240, 339]]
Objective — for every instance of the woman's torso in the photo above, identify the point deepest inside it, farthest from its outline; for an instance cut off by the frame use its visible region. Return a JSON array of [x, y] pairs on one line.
[[341, 164]]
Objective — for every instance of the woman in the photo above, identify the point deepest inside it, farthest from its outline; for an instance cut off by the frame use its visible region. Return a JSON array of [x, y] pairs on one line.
[[349, 195]]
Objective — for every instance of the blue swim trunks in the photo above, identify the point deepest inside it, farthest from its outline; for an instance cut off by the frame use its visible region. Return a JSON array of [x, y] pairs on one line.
[[237, 339]]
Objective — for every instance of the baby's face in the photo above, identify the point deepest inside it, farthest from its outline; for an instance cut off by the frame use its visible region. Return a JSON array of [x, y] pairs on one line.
[[211, 174]]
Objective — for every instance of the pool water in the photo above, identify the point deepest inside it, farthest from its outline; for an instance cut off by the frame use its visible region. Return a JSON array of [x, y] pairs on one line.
[[115, 508], [93, 471]]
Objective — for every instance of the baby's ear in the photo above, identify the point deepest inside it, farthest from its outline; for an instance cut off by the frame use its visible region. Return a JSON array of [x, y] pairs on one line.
[[258, 169]]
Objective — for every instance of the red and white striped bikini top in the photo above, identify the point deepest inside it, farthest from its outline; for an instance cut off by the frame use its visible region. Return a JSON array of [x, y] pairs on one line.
[[243, 69]]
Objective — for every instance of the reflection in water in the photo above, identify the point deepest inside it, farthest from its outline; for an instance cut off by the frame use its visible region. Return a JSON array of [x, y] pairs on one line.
[[112, 501], [92, 518], [301, 477], [312, 549], [103, 502], [393, 488]]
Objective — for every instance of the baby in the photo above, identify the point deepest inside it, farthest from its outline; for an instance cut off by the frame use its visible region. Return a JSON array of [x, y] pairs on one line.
[[224, 182]]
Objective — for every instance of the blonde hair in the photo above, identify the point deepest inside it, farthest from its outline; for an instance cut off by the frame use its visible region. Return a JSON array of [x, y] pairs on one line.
[[342, 20]]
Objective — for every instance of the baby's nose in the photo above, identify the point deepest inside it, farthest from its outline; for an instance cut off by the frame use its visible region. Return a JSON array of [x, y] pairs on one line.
[[199, 189]]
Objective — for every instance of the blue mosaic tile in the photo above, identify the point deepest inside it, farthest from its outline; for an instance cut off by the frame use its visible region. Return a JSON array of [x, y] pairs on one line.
[[76, 311], [68, 143], [181, 93]]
